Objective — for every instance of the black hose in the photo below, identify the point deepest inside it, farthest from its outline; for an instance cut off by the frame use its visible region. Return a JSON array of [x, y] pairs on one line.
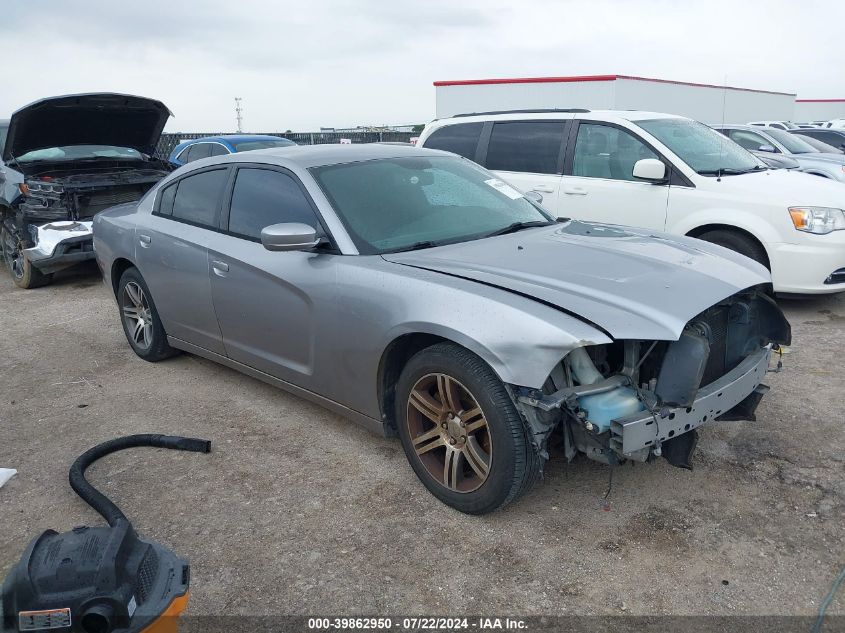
[[96, 499]]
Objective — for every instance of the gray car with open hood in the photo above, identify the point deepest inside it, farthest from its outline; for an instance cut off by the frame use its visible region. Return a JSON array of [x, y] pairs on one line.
[[63, 160], [418, 294]]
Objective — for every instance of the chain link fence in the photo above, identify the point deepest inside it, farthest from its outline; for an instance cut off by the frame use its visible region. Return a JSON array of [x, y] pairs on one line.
[[168, 141]]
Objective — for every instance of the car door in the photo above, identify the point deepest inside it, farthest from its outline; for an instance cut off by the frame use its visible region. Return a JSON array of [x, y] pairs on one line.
[[528, 155], [270, 305], [598, 183], [172, 255]]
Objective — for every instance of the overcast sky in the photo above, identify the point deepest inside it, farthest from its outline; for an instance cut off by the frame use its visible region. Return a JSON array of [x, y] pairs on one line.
[[302, 65]]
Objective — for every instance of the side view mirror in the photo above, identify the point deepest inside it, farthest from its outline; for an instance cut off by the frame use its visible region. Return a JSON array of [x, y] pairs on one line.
[[650, 169], [289, 236], [534, 196], [767, 148]]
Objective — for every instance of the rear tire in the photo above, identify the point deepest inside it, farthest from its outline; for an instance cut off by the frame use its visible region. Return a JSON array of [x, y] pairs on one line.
[[461, 431], [738, 243], [139, 317], [24, 274]]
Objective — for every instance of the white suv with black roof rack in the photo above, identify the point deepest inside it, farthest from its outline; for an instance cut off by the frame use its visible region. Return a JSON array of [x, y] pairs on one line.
[[666, 173]]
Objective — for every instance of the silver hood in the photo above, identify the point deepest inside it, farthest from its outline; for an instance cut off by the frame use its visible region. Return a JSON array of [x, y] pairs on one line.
[[632, 283]]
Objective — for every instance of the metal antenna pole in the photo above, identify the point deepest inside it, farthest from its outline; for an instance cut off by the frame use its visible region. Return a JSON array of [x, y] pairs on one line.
[[238, 113]]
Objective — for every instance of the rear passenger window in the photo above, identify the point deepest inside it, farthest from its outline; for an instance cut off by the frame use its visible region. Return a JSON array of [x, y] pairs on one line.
[[198, 197], [218, 150], [195, 152], [263, 197], [461, 139], [165, 205], [525, 146]]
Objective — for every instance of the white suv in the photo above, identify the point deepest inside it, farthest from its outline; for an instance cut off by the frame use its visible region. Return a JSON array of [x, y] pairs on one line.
[[667, 173]]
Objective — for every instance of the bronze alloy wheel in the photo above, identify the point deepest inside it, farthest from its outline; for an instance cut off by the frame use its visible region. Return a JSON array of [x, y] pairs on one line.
[[449, 432]]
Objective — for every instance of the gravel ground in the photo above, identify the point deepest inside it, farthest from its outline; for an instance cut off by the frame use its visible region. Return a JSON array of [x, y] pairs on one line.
[[297, 511]]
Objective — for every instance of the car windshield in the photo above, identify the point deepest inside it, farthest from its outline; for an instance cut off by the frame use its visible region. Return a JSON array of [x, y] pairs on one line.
[[702, 148], [792, 143], [79, 152], [246, 146], [396, 204]]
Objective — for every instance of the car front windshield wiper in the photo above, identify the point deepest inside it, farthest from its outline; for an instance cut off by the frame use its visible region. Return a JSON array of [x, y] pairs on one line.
[[730, 171], [416, 246], [518, 226]]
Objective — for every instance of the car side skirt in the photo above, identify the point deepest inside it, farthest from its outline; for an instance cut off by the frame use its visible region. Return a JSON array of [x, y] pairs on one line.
[[371, 424]]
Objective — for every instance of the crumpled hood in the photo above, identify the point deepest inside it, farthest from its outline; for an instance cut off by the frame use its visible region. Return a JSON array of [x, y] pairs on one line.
[[87, 119], [633, 283]]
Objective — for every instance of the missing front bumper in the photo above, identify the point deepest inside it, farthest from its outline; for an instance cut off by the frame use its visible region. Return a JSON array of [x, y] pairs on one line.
[[636, 435], [60, 244]]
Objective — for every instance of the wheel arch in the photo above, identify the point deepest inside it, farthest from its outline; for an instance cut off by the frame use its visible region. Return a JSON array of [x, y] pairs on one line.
[[706, 228], [119, 266]]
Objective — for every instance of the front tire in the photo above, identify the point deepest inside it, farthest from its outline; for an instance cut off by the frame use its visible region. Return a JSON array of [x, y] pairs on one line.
[[139, 317], [461, 432], [24, 274]]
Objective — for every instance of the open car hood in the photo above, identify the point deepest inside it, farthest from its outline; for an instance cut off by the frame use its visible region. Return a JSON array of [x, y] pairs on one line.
[[87, 119], [632, 283]]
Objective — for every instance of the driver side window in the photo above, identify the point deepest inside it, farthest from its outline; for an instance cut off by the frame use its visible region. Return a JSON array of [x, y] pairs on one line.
[[602, 151], [749, 140], [263, 197]]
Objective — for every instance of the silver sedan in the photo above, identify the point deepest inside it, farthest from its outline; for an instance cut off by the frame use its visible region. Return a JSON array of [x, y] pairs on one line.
[[419, 295]]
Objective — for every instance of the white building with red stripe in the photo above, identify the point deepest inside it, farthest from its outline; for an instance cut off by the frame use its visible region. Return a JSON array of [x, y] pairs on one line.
[[704, 102]]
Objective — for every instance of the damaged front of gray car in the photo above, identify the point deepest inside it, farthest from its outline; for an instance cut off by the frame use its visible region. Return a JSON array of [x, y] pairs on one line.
[[64, 159], [692, 329]]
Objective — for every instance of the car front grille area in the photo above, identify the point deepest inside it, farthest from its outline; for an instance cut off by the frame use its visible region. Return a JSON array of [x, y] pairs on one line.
[[80, 205], [91, 203], [716, 319]]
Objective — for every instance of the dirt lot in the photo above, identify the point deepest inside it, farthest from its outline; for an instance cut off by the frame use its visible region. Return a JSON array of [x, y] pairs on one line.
[[298, 511]]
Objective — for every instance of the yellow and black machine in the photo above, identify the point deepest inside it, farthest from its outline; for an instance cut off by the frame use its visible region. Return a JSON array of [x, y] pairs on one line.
[[99, 579]]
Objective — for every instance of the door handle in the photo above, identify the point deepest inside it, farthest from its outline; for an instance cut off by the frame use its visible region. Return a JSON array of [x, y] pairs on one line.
[[575, 191], [144, 240], [543, 189], [220, 268]]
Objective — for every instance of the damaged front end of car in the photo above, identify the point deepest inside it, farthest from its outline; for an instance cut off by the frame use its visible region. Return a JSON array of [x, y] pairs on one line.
[[640, 399], [64, 160], [53, 215]]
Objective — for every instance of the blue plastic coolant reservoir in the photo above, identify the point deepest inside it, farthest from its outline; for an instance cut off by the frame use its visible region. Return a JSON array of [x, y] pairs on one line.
[[601, 408]]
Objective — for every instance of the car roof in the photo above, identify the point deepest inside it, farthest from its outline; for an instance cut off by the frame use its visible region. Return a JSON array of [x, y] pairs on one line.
[[740, 126], [238, 138], [307, 156]]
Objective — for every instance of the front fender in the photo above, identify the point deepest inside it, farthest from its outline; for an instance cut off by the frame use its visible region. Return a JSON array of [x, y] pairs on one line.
[[521, 339], [753, 223]]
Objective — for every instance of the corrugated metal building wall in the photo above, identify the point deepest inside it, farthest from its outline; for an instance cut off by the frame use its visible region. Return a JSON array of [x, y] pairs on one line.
[[704, 102], [819, 109]]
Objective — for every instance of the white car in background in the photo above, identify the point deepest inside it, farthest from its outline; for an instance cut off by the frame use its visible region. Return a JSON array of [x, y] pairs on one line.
[[666, 173]]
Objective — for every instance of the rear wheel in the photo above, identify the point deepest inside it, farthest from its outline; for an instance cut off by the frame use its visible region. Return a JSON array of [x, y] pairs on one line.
[[461, 432], [739, 243], [24, 274], [139, 317]]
